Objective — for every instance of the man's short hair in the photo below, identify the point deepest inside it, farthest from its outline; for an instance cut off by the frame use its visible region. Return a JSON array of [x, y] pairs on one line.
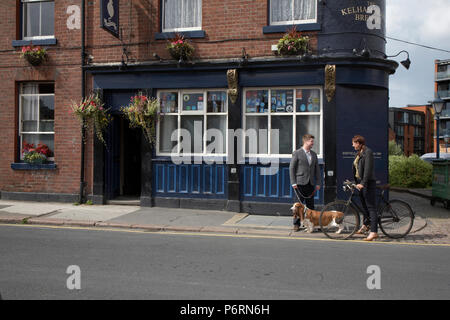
[[307, 137]]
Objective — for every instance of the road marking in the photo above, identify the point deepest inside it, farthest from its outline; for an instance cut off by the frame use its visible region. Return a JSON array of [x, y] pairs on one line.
[[224, 235]]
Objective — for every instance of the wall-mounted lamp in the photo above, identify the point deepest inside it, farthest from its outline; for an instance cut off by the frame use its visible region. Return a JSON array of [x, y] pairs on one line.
[[124, 62], [365, 51], [244, 58], [406, 63], [156, 56]]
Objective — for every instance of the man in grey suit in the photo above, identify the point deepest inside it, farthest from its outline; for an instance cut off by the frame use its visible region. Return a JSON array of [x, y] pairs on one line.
[[304, 174]]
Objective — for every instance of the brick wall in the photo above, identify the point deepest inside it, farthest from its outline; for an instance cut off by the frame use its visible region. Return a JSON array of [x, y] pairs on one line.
[[230, 25]]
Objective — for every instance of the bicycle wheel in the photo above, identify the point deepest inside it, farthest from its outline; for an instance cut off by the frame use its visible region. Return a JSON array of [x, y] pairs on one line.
[[345, 221], [396, 219]]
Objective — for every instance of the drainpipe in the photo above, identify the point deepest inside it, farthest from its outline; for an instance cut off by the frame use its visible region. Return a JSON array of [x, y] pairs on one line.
[[83, 93]]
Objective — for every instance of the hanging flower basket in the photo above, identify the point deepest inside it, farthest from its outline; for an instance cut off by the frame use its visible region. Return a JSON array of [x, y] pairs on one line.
[[180, 49], [90, 112], [142, 112], [293, 43], [34, 55]]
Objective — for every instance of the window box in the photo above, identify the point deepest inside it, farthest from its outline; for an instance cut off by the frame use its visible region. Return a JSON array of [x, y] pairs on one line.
[[186, 34], [36, 42], [29, 166]]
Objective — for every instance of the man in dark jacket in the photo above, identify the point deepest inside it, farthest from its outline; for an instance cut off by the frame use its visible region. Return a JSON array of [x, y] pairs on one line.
[[304, 174]]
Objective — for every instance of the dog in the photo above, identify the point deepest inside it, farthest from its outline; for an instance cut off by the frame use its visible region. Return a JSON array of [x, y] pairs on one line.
[[310, 218]]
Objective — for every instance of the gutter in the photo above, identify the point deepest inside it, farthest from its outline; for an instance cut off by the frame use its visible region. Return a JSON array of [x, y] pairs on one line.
[[83, 93]]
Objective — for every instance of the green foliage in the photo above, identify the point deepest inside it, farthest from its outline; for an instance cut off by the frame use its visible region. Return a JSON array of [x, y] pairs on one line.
[[394, 149], [409, 172], [34, 157], [293, 43], [180, 48], [90, 112], [142, 112]]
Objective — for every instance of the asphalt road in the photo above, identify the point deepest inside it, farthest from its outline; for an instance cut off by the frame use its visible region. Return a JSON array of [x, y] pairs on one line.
[[125, 265]]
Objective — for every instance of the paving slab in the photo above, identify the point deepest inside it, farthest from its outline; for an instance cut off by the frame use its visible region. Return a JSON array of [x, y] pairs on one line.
[[32, 208], [93, 213], [175, 217]]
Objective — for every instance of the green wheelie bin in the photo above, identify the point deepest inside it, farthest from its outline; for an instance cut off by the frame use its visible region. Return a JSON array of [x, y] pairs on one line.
[[441, 182]]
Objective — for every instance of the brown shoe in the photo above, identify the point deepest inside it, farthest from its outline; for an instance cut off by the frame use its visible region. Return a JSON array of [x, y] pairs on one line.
[[372, 235], [296, 228], [362, 230]]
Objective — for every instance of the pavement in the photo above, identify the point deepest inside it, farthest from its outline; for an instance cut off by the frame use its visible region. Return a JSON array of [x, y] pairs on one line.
[[431, 225]]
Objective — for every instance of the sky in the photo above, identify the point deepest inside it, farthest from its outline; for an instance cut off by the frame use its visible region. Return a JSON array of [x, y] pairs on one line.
[[423, 22]]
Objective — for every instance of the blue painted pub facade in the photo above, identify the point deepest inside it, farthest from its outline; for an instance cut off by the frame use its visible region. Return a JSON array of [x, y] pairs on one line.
[[338, 91]]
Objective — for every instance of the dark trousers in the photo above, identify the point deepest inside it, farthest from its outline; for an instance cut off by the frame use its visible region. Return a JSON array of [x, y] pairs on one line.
[[308, 199], [368, 201]]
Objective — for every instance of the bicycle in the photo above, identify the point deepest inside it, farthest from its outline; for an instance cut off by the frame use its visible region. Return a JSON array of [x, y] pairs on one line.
[[395, 217]]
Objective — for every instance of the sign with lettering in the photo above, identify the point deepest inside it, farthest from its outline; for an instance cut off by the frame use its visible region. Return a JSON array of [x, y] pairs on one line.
[[109, 16], [369, 12]]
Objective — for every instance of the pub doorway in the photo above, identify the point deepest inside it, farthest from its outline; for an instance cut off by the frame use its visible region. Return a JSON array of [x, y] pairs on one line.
[[123, 161]]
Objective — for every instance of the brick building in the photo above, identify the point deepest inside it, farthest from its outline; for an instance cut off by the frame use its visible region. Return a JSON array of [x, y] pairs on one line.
[[412, 128], [336, 90]]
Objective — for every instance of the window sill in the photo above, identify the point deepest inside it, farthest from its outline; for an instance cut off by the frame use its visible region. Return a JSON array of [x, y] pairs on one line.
[[37, 42], [298, 27], [29, 166], [186, 34]]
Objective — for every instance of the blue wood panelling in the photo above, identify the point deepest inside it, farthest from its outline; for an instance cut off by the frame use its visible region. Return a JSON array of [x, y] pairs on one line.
[[193, 181], [159, 178], [270, 188]]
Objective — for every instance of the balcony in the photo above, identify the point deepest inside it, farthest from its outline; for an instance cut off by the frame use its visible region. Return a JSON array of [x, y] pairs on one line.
[[444, 94], [445, 114], [443, 75]]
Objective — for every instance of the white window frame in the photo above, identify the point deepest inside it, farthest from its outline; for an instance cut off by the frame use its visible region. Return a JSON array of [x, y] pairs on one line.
[[280, 23], [40, 25], [21, 133], [294, 114], [199, 27], [203, 112]]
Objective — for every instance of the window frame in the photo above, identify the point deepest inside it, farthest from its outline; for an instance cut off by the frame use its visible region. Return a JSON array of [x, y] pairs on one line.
[[21, 133], [293, 114], [24, 20], [291, 22], [203, 113], [163, 16]]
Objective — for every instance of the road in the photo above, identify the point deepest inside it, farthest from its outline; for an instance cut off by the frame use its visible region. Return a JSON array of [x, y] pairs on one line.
[[142, 265]]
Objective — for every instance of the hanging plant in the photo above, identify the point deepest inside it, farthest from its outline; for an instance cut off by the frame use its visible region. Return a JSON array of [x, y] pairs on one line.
[[180, 48], [293, 43], [142, 112], [90, 112], [34, 55]]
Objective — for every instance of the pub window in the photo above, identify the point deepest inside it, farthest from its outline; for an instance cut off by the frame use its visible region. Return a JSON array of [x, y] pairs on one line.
[[181, 15], [293, 111], [37, 116], [202, 113], [293, 11], [38, 19]]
